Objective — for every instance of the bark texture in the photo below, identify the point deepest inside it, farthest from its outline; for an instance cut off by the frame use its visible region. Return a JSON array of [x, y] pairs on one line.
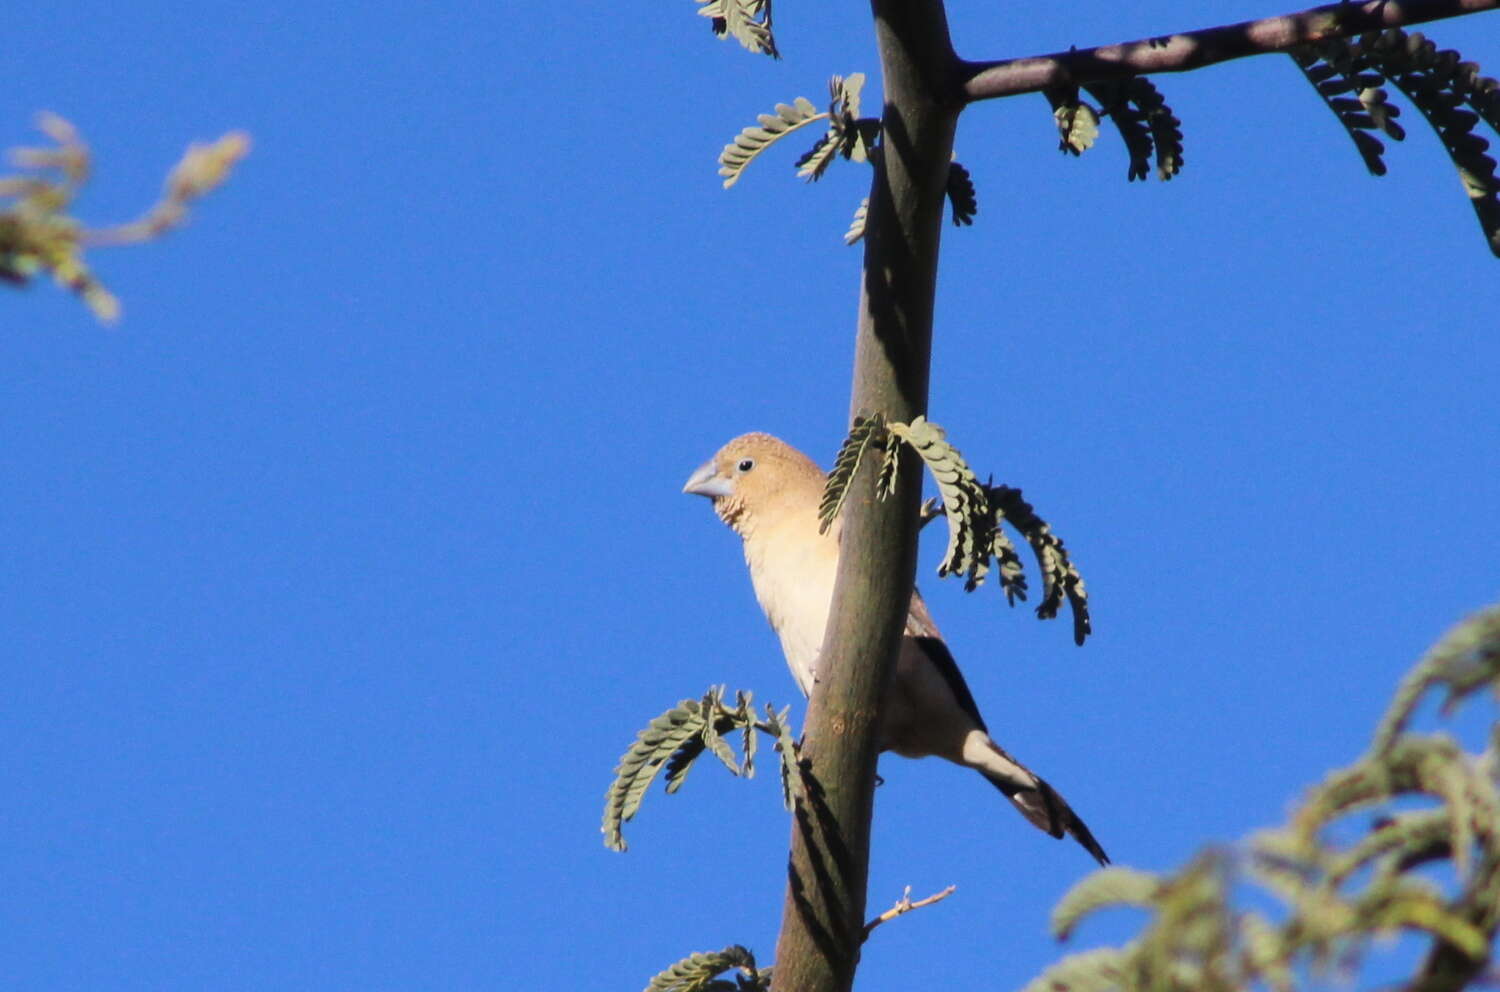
[[823, 921]]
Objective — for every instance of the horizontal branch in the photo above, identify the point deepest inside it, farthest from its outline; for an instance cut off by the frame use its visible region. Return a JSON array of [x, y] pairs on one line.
[[1196, 49]]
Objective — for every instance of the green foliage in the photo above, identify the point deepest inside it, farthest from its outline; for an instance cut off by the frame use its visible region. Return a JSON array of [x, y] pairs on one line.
[[971, 521], [974, 510], [890, 469], [1335, 73], [1145, 122], [849, 135], [793, 780], [1091, 971], [1077, 122], [1461, 663], [1450, 93], [1105, 888], [1338, 899], [815, 161], [856, 230], [739, 153], [747, 21], [677, 728], [1060, 577], [961, 195], [865, 432], [700, 973], [1166, 129], [38, 235], [672, 742]]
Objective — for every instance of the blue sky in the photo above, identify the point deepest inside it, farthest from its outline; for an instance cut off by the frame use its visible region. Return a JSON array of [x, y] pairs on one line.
[[338, 575]]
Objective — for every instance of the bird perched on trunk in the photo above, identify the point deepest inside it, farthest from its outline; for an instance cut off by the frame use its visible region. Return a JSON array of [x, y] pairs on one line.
[[768, 493]]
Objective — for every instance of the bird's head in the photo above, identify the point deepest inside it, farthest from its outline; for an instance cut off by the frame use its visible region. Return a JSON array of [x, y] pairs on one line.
[[756, 476]]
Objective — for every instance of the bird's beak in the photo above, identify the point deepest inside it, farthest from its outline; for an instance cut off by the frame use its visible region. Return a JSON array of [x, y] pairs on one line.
[[707, 482]]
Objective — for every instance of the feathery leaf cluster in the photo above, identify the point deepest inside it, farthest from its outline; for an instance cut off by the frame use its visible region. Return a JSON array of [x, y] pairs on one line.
[[961, 195], [1449, 92], [1145, 122], [680, 736], [1077, 122], [857, 224], [971, 520], [1060, 577], [700, 973], [37, 235], [1337, 899], [1335, 73], [867, 431], [750, 142], [747, 21], [974, 510], [849, 136], [672, 743]]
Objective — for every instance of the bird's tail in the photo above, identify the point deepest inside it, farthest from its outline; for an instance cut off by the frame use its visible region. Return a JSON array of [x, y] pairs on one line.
[[1036, 800]]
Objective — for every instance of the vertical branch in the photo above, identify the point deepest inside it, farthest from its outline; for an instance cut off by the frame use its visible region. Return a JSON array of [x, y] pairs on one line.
[[823, 921]]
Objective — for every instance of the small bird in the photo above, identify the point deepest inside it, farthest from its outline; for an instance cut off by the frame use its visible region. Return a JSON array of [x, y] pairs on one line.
[[768, 493]]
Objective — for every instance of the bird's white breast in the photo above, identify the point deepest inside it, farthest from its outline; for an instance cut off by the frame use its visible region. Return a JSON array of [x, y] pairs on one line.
[[793, 574]]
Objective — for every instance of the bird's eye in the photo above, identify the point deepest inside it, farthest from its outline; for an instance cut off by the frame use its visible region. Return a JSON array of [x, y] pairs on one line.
[[746, 464]]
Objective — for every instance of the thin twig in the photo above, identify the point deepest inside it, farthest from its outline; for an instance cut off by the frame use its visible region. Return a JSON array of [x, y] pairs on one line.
[[201, 169], [905, 905]]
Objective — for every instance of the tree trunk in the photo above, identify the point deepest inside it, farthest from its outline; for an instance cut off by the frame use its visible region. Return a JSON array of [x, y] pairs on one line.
[[823, 921]]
